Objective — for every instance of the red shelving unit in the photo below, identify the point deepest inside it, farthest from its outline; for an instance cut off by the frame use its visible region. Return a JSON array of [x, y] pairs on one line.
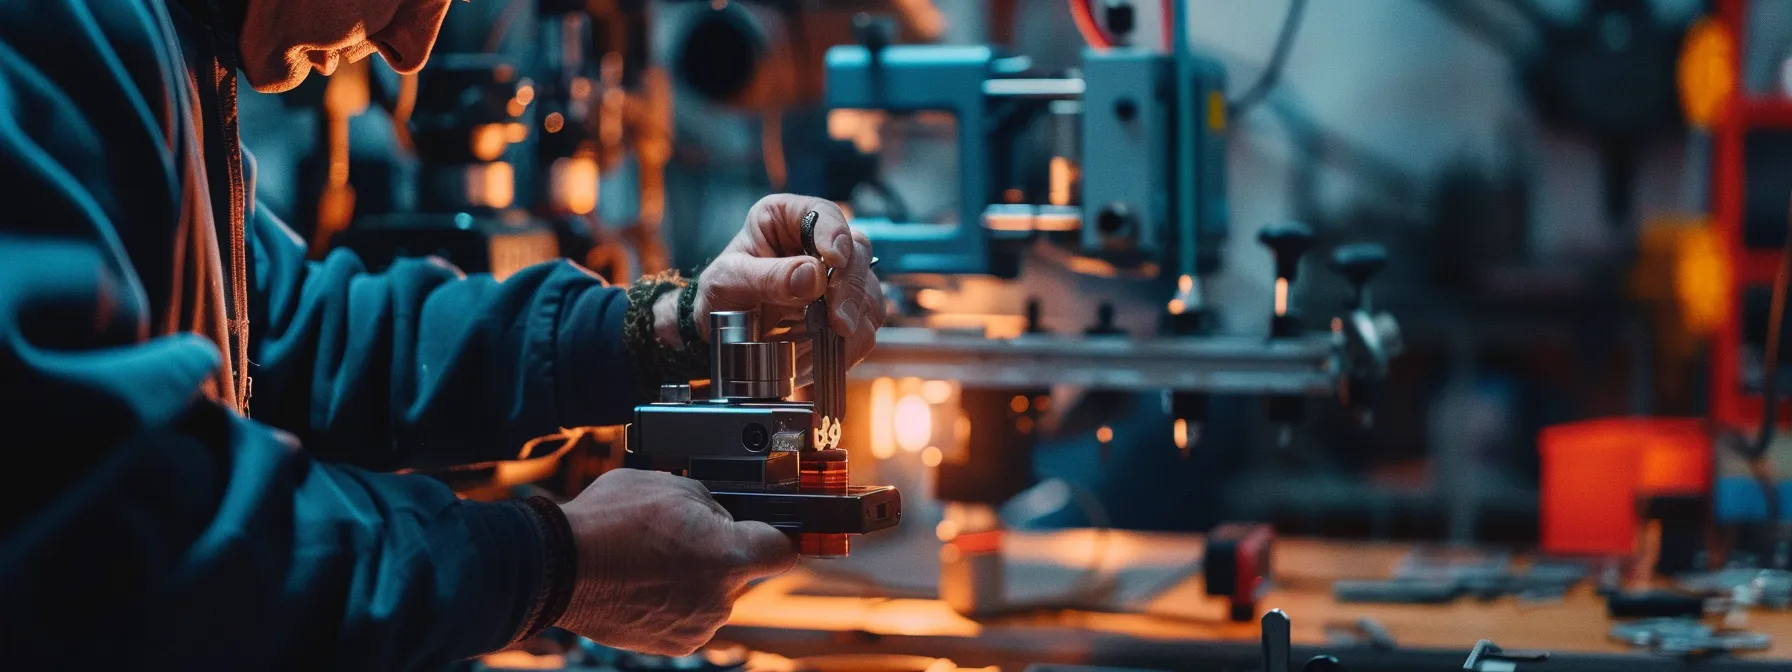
[[1731, 405]]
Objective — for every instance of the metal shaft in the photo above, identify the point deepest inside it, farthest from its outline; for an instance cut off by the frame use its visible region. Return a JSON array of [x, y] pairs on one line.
[[829, 357]]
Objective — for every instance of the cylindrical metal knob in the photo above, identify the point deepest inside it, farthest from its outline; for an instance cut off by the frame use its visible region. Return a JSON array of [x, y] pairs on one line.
[[732, 326], [757, 370], [1358, 263]]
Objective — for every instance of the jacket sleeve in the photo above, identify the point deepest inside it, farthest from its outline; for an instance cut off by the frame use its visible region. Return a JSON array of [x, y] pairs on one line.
[[145, 527], [422, 366]]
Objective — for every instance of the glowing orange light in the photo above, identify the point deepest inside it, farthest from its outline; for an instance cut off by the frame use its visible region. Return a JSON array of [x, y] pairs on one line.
[[1105, 434], [1024, 425], [961, 429], [914, 423], [1176, 306], [554, 122], [1042, 403], [883, 414], [515, 107], [1180, 432], [932, 299], [488, 141], [936, 391], [1185, 284], [572, 184], [515, 133], [580, 88], [1011, 195], [1705, 72], [932, 456], [1018, 404], [1281, 296], [525, 94], [492, 185], [1061, 174]]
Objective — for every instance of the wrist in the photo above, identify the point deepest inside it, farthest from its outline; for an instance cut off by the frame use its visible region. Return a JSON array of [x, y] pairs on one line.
[[665, 321], [559, 566]]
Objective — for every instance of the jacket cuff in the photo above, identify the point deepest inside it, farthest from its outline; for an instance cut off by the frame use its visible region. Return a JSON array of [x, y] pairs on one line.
[[559, 564], [512, 554], [594, 377]]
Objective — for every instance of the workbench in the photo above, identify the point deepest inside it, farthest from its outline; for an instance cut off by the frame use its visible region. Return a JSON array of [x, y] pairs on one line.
[[1177, 627]]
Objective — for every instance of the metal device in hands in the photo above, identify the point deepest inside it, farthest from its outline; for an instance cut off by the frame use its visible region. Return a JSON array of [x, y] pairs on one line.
[[755, 449]]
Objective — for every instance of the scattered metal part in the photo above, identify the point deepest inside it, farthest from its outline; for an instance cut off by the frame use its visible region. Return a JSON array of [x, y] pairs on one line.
[[1364, 632], [1489, 657], [1684, 636]]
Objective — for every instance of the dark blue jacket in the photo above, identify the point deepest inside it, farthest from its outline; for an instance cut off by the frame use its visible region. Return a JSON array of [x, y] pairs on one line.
[[155, 330]]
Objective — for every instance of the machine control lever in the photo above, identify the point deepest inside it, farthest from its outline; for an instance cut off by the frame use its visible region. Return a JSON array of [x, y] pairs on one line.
[[1358, 264], [1288, 242]]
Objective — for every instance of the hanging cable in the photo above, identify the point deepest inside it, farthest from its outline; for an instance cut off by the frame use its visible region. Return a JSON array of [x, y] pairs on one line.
[[1756, 452], [1272, 72], [1082, 13]]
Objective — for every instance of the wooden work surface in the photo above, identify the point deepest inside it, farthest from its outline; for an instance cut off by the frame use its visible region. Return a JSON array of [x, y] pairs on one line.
[[1304, 570]]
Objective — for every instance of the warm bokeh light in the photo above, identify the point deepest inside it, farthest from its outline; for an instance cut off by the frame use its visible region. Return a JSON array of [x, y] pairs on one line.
[[914, 423], [932, 299], [932, 456], [937, 391], [947, 530], [1105, 434], [1018, 404], [1180, 432], [883, 412]]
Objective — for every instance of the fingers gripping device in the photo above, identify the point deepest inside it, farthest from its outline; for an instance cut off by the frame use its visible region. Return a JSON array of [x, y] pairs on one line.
[[763, 456]]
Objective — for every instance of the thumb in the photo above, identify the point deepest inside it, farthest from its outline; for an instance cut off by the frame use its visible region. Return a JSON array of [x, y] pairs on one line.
[[769, 552], [741, 281]]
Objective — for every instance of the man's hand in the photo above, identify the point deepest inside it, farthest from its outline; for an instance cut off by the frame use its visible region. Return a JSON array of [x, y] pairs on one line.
[[660, 562], [764, 269]]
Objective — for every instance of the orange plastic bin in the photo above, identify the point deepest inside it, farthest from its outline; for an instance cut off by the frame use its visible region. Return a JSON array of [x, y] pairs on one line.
[[1594, 471]]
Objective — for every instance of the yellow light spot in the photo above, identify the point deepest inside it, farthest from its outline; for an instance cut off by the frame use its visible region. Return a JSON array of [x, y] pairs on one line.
[[883, 415], [1018, 404], [1105, 434], [1185, 284], [1180, 432], [1042, 403], [936, 391], [554, 122], [1011, 195], [572, 184], [932, 456], [947, 530], [1176, 306], [525, 94], [914, 423], [1024, 425], [932, 299]]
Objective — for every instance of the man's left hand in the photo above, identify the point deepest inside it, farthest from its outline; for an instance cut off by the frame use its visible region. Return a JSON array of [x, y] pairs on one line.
[[765, 269]]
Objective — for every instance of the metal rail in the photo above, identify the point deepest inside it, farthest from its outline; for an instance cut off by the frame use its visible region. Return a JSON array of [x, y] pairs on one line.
[[1221, 364]]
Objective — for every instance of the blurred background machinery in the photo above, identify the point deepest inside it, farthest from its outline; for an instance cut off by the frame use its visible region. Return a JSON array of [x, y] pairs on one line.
[[1485, 272]]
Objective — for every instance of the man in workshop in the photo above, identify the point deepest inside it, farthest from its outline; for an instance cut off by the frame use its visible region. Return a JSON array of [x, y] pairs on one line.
[[166, 349]]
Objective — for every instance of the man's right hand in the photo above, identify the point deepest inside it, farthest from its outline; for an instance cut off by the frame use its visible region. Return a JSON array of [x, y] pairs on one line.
[[660, 562]]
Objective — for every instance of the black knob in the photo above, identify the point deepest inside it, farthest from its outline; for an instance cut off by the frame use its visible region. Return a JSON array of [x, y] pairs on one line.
[[1322, 664], [873, 32], [1033, 325], [1287, 241], [1104, 322], [1119, 16], [1358, 264]]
